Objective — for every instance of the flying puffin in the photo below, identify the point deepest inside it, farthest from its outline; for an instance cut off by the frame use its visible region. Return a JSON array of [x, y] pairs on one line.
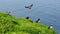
[[29, 7]]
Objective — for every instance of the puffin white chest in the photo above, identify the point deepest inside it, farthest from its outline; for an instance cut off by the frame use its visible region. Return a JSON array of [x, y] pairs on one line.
[[39, 21], [51, 26]]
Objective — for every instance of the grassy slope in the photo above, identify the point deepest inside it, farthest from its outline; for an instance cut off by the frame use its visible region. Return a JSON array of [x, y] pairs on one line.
[[12, 25]]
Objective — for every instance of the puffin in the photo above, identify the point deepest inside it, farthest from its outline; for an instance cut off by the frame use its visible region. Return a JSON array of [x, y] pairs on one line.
[[27, 17], [38, 20], [51, 26], [29, 7]]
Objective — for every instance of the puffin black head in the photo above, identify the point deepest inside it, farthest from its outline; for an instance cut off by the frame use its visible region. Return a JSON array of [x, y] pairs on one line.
[[27, 17], [38, 19], [51, 25]]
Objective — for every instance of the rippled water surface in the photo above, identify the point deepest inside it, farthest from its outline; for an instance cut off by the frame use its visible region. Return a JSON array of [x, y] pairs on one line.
[[47, 10]]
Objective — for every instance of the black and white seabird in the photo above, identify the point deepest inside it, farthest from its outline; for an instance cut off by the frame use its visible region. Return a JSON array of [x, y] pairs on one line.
[[29, 7], [51, 26], [27, 17], [38, 20]]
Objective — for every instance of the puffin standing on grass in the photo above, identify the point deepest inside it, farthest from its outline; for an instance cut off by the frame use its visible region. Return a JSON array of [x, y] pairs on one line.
[[38, 20], [51, 26], [27, 17], [29, 7]]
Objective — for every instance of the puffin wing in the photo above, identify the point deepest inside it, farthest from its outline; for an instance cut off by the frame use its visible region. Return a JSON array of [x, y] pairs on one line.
[[31, 5], [26, 7]]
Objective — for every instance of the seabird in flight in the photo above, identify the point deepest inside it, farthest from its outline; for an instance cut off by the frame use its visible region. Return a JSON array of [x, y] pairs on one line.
[[29, 7]]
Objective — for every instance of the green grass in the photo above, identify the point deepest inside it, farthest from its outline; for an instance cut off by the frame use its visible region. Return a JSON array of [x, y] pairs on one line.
[[13, 25]]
